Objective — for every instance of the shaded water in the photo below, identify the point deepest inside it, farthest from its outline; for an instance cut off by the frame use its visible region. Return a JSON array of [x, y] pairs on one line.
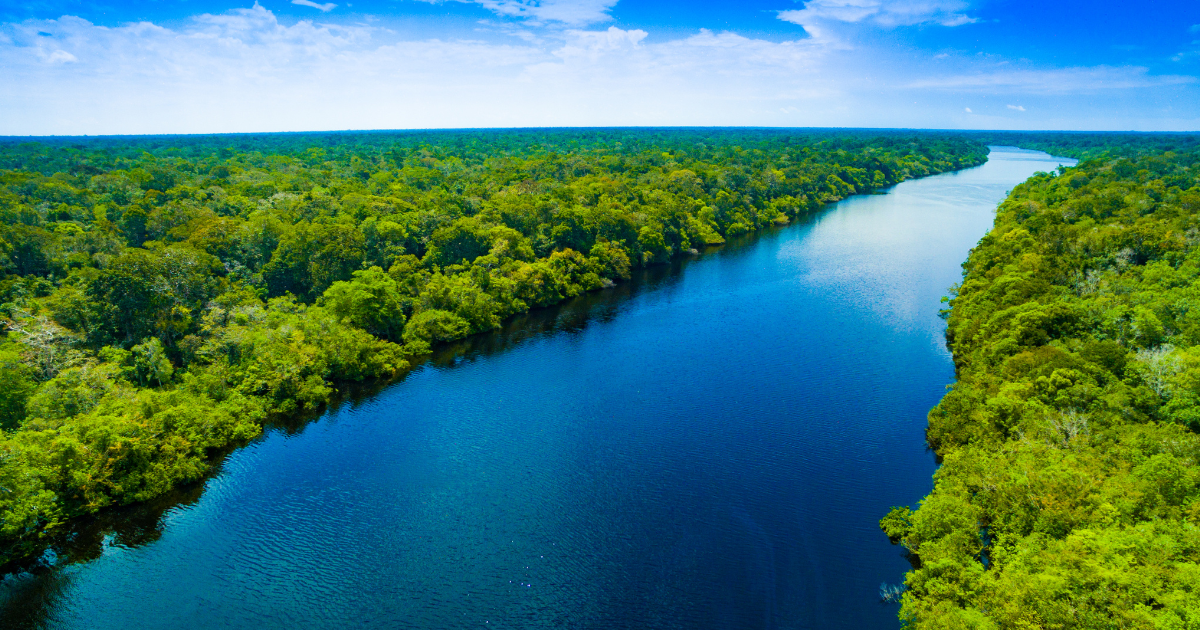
[[708, 446]]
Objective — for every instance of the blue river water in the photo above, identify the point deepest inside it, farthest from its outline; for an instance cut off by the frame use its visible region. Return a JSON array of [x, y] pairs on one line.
[[709, 445]]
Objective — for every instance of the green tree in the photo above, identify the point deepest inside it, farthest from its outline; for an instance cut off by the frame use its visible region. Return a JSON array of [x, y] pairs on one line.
[[435, 325], [151, 362], [371, 301], [17, 383]]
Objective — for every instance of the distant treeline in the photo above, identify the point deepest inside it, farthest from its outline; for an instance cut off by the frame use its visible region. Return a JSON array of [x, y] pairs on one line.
[[1087, 144], [1069, 496], [164, 296]]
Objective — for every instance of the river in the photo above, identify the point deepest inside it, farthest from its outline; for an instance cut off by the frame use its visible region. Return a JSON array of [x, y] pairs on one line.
[[709, 445]]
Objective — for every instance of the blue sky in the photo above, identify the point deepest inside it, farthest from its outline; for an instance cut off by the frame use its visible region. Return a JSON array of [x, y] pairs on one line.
[[188, 66]]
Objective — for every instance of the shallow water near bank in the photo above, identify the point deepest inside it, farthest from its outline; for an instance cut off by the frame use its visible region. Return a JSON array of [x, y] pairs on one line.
[[710, 445]]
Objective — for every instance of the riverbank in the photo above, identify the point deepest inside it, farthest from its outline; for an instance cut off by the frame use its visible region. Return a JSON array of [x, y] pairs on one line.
[[739, 417], [1069, 492], [164, 306]]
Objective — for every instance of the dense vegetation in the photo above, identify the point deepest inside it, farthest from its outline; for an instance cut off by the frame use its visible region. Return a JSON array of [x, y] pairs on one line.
[[1069, 495], [1094, 145], [164, 296]]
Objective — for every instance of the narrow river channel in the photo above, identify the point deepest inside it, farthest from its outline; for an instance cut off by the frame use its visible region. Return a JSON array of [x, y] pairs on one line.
[[708, 446]]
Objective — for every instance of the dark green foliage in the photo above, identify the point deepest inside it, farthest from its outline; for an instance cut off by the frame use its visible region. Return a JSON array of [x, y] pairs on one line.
[[17, 383], [166, 295], [1069, 496]]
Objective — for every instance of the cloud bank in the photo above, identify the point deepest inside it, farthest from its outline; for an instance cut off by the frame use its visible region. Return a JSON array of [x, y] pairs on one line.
[[246, 70], [1052, 81]]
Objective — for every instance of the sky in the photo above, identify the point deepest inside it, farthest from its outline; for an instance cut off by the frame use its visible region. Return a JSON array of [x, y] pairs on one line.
[[211, 66]]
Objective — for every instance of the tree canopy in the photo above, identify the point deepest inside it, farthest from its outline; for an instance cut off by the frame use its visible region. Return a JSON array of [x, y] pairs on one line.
[[1069, 495], [165, 296]]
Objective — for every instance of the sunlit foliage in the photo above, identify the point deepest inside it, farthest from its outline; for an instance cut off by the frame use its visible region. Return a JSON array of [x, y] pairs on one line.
[[1069, 496]]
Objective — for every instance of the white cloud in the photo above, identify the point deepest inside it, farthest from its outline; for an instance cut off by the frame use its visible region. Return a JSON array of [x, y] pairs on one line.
[[60, 56], [326, 8], [968, 110], [246, 71], [592, 44], [887, 13], [1018, 108], [572, 12], [1195, 28], [1052, 81]]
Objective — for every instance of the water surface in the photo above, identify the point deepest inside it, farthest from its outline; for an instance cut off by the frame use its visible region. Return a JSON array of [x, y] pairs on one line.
[[708, 446]]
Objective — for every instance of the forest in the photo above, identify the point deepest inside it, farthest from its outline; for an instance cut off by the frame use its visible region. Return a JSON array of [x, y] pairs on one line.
[[1093, 144], [1069, 491], [165, 297]]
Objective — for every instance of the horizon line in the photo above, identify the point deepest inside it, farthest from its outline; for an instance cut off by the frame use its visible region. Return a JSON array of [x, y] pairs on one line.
[[7, 138]]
